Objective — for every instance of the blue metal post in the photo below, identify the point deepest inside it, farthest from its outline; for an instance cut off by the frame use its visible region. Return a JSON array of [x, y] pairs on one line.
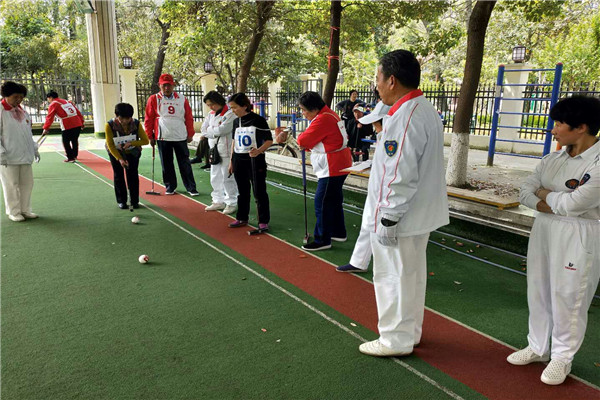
[[553, 100], [262, 104], [278, 119], [294, 123], [495, 115]]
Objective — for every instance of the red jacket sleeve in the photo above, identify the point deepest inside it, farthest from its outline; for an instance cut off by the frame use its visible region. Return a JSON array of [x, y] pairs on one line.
[[316, 132], [150, 117], [189, 119], [50, 117]]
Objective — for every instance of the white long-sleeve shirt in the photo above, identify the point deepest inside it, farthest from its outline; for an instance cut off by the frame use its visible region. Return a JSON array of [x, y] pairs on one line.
[[574, 183], [219, 126], [16, 140], [407, 181]]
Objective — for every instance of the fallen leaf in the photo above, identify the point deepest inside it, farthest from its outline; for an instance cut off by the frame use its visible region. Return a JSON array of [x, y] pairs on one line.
[[352, 323], [460, 290], [263, 329], [523, 269], [303, 256], [597, 364], [243, 279], [431, 273], [457, 283], [478, 245], [278, 340], [460, 244]]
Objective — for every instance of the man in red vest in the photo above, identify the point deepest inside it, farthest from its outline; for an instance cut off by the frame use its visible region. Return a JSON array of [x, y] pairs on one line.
[[71, 122]]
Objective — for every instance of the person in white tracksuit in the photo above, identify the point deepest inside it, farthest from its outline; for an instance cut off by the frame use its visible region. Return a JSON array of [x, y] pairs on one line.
[[563, 257], [361, 255], [17, 153], [217, 128], [407, 200]]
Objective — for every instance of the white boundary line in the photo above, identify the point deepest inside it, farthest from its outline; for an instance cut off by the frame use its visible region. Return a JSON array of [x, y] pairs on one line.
[[408, 367], [291, 295]]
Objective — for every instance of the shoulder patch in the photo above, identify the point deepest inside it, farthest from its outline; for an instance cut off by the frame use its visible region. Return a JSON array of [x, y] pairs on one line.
[[572, 183], [585, 178], [390, 147]]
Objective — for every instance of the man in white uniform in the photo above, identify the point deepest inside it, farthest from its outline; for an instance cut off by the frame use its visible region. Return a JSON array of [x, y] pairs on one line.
[[406, 201], [361, 255], [563, 258]]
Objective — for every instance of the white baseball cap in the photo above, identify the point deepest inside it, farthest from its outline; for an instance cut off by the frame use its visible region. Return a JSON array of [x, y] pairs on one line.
[[377, 114]]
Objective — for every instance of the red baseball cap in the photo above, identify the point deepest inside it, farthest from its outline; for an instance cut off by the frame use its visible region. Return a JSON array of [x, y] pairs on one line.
[[166, 78]]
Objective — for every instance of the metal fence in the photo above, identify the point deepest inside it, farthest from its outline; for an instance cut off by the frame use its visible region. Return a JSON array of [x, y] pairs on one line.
[[532, 124], [195, 97], [75, 89]]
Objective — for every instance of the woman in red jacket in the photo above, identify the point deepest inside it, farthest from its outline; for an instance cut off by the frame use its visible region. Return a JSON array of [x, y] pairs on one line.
[[327, 140]]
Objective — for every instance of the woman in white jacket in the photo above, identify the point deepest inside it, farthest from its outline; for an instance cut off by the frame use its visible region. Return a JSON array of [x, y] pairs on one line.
[[17, 153], [217, 128]]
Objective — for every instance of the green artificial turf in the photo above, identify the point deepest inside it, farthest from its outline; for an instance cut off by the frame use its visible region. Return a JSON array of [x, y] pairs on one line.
[[81, 318]]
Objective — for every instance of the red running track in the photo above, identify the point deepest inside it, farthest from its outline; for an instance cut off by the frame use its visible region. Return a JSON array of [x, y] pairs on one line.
[[462, 354]]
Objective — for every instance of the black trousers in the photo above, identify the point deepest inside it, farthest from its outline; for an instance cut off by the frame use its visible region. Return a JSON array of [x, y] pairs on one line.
[[362, 147], [133, 179], [70, 139], [166, 149], [247, 176]]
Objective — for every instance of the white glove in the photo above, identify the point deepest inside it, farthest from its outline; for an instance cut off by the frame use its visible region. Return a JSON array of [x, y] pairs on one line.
[[387, 232], [36, 156]]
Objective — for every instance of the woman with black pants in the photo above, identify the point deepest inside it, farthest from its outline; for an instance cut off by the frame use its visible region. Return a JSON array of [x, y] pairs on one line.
[[251, 138], [125, 137]]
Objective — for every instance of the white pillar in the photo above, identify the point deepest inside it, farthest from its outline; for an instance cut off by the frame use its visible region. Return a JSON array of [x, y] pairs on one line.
[[273, 89], [129, 89], [102, 46], [512, 77], [208, 83]]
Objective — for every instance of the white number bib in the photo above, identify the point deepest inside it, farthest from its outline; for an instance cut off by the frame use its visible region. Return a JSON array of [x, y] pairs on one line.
[[69, 109], [245, 139], [123, 139]]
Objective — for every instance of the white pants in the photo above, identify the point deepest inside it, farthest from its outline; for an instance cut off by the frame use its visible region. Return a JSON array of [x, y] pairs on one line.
[[361, 255], [17, 185], [224, 187], [563, 269], [400, 278]]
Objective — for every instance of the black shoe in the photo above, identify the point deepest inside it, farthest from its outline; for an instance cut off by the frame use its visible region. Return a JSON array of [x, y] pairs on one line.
[[123, 206], [136, 206], [205, 166], [314, 246], [195, 160]]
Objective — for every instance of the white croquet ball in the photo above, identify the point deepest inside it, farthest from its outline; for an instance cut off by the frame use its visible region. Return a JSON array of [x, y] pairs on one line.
[[135, 219], [143, 259]]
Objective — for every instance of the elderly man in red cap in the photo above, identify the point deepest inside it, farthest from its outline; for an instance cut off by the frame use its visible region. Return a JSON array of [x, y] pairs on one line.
[[169, 123]]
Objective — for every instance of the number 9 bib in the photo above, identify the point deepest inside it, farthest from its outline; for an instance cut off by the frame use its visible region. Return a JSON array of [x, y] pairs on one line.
[[245, 139]]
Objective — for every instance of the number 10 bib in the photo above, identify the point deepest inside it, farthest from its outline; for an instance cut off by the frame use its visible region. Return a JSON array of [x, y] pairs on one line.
[[245, 139]]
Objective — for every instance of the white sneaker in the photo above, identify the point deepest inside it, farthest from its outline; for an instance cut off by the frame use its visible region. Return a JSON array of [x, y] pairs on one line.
[[526, 356], [16, 218], [215, 207], [229, 209], [29, 215], [556, 372], [375, 348]]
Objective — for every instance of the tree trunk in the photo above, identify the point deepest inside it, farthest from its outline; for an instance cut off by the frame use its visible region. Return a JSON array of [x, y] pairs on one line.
[[263, 10], [160, 57], [456, 172], [333, 58]]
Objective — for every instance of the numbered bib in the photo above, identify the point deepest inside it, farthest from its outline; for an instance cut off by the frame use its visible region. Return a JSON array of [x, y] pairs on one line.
[[245, 139], [124, 139], [69, 109]]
